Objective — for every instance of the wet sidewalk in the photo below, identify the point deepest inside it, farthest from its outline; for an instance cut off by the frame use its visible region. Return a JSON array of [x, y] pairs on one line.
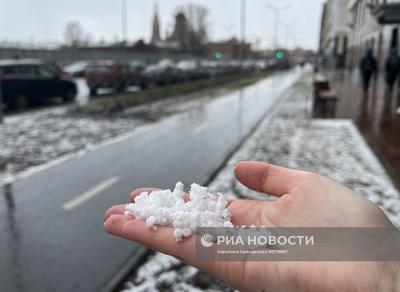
[[375, 115]]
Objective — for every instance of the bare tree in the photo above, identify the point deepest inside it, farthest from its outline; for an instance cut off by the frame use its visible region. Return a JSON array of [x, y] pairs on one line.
[[198, 21], [88, 40], [198, 25], [74, 34]]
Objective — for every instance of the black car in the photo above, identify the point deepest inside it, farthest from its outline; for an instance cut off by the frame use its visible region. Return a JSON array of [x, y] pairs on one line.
[[27, 82], [163, 73]]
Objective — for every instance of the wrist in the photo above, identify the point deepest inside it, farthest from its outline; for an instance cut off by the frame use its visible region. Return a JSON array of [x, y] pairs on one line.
[[390, 277]]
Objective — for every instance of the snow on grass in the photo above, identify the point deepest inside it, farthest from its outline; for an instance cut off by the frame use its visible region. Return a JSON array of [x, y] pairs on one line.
[[35, 138], [287, 137]]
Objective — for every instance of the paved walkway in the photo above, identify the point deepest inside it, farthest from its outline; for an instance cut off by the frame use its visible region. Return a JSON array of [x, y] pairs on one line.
[[377, 116]]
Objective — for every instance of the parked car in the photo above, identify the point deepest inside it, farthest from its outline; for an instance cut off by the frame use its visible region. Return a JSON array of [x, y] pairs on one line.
[[192, 70], [262, 65], [231, 67], [163, 73], [282, 64], [25, 82], [112, 75], [77, 69], [137, 66], [212, 67]]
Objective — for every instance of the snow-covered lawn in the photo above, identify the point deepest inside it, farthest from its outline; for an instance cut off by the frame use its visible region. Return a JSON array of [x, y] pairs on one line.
[[35, 138], [287, 137]]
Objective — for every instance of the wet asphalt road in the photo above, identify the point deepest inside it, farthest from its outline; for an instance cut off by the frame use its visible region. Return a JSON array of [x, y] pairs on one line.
[[51, 234]]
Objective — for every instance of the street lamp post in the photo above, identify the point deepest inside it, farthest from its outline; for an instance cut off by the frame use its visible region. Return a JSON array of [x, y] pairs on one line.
[[277, 14], [289, 33], [242, 29], [1, 104], [124, 19]]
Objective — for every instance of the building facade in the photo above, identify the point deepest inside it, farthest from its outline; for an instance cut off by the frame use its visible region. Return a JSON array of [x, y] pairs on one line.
[[232, 49], [155, 34], [334, 33], [373, 24], [180, 36]]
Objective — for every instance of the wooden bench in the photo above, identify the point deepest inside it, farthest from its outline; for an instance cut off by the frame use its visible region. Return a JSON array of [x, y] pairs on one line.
[[324, 96]]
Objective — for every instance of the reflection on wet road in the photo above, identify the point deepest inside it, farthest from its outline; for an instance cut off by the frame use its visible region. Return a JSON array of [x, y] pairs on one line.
[[51, 235]]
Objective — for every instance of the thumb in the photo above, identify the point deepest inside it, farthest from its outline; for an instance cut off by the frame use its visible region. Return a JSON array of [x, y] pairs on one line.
[[267, 178]]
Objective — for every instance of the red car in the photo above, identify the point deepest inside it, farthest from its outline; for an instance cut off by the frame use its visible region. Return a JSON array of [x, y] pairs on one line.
[[112, 75]]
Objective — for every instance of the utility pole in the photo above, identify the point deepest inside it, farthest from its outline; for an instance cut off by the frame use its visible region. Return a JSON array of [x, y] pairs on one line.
[[1, 104], [242, 29], [124, 19], [277, 14], [289, 33]]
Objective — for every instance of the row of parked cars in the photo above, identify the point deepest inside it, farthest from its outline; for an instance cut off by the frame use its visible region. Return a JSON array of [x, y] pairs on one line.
[[25, 82], [121, 75]]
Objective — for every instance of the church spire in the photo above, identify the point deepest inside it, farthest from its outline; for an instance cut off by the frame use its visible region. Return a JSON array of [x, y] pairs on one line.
[[156, 36]]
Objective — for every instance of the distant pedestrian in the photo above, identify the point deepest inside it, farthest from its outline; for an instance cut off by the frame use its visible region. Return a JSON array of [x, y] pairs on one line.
[[368, 68], [391, 69]]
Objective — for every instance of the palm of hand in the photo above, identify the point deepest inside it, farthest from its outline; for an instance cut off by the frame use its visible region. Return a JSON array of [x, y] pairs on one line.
[[305, 200]]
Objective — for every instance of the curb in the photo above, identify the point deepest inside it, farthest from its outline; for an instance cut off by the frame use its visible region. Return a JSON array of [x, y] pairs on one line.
[[116, 280]]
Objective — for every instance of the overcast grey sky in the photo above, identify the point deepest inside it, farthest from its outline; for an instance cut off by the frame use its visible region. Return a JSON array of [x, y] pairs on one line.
[[41, 21]]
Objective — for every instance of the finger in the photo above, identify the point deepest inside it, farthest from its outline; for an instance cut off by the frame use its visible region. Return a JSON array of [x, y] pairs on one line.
[[137, 192], [161, 240], [249, 212], [267, 178], [114, 210]]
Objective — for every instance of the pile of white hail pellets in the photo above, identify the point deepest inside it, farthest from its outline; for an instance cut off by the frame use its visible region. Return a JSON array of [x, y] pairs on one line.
[[168, 208]]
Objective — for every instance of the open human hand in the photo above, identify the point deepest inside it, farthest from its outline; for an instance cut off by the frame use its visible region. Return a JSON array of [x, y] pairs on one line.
[[304, 200]]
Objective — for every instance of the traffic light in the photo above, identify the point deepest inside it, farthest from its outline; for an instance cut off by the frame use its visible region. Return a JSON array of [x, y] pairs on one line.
[[218, 55], [279, 55]]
